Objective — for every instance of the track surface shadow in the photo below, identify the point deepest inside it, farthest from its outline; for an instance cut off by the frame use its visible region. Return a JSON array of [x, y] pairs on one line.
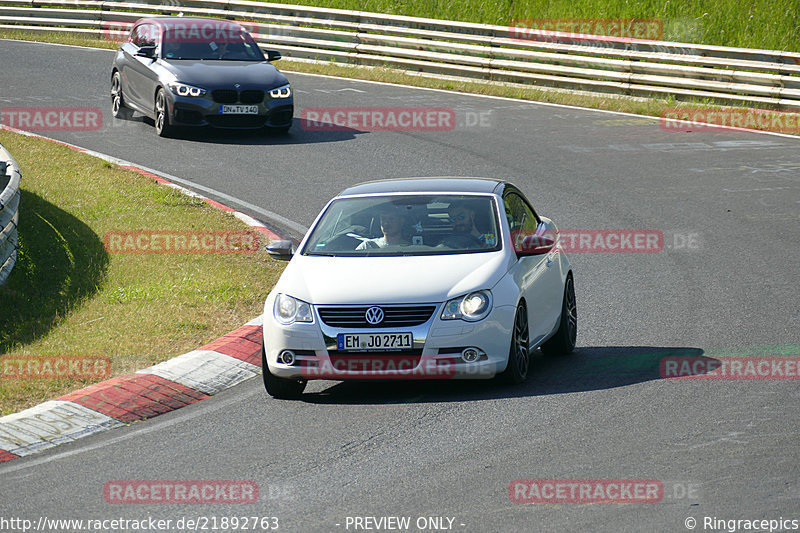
[[586, 369], [296, 135]]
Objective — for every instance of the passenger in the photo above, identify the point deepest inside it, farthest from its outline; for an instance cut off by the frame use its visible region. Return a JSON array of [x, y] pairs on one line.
[[392, 225]]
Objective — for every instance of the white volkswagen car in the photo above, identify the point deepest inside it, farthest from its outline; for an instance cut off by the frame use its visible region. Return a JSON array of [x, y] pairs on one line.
[[425, 278]]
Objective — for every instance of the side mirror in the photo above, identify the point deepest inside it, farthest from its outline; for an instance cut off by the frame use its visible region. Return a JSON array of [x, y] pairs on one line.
[[147, 51], [273, 55], [534, 245], [281, 250]]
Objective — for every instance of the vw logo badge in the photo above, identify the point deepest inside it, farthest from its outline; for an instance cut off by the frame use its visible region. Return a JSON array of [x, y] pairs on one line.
[[374, 315]]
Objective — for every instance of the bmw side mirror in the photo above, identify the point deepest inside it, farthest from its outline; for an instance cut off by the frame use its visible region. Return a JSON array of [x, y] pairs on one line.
[[147, 51], [281, 250], [273, 55]]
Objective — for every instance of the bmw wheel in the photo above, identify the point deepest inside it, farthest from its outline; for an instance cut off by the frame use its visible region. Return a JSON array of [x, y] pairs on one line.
[[563, 342], [163, 127], [118, 109], [519, 353], [281, 388]]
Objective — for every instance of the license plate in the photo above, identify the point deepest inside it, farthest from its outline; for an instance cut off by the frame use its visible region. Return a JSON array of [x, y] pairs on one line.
[[366, 342], [238, 109]]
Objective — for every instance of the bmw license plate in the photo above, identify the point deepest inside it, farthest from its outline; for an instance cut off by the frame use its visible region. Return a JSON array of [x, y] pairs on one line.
[[366, 342], [238, 109]]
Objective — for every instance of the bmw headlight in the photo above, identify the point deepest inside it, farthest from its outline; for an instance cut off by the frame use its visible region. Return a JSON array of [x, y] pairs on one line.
[[284, 91], [181, 89], [472, 307], [289, 310]]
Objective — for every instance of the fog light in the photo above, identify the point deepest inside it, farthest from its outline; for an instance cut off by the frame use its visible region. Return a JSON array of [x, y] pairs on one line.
[[286, 357], [470, 355]]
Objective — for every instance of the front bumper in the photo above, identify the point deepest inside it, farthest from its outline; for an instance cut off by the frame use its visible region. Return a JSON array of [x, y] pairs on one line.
[[205, 111], [436, 352]]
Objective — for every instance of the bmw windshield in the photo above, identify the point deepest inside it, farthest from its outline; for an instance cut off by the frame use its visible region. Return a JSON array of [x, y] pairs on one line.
[[431, 224], [227, 43]]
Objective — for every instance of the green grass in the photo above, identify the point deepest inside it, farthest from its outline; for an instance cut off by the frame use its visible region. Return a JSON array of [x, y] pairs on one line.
[[68, 296], [57, 37]]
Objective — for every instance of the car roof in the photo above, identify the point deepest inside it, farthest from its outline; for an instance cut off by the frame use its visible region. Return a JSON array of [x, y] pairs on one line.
[[437, 184], [170, 22]]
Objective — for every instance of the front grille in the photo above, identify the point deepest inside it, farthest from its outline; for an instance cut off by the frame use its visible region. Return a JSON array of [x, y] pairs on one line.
[[231, 96], [394, 316], [225, 96], [251, 97]]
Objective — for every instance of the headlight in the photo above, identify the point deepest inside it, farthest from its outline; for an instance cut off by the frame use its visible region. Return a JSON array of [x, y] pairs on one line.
[[181, 89], [289, 310], [285, 91], [472, 307]]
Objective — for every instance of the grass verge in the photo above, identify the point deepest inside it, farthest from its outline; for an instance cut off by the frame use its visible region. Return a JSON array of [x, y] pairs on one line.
[[68, 296], [788, 122]]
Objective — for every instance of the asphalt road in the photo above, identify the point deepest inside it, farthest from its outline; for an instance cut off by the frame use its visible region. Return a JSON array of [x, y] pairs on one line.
[[728, 204]]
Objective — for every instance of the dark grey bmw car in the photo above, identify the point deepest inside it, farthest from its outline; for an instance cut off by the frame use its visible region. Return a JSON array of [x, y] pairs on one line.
[[184, 71]]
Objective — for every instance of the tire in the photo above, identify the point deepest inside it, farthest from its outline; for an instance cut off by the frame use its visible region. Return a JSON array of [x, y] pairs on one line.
[[519, 354], [118, 109], [163, 127], [281, 388], [563, 342]]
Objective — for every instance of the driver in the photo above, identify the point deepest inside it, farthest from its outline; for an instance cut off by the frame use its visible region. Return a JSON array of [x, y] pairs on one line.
[[462, 215], [392, 222]]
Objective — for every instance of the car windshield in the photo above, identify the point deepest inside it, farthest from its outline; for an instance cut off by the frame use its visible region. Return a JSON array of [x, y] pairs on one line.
[[230, 45], [406, 225]]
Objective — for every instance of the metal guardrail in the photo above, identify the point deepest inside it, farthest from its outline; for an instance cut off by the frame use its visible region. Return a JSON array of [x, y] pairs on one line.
[[9, 213], [461, 50]]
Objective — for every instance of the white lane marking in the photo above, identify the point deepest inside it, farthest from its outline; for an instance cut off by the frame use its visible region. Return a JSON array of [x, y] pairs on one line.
[[329, 91], [49, 424], [180, 416], [205, 371]]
